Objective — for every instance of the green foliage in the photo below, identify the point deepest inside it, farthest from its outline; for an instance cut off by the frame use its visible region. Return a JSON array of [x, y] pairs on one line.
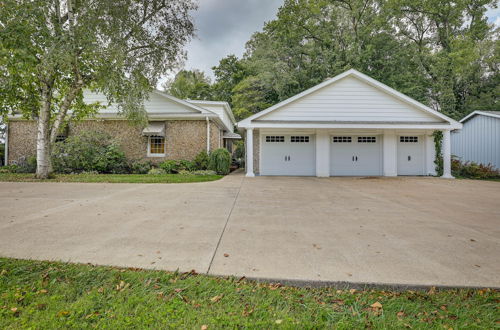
[[54, 295], [194, 85], [239, 153], [175, 166], [473, 170], [220, 161], [140, 167], [228, 74], [438, 146], [156, 176], [201, 161], [156, 171], [88, 151]]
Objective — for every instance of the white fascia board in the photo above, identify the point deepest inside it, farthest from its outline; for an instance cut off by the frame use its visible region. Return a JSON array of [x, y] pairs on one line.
[[226, 106], [478, 112], [156, 116], [363, 77], [352, 125]]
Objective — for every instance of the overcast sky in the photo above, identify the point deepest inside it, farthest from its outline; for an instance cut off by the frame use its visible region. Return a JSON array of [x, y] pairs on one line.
[[224, 26]]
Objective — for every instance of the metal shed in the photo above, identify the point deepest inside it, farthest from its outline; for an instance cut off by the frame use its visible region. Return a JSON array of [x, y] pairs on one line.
[[479, 139]]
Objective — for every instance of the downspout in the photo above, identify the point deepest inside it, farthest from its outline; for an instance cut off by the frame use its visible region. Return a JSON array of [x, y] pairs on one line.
[[6, 151], [208, 135]]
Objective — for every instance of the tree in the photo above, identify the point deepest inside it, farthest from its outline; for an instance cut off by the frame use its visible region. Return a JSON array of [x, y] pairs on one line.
[[194, 85], [229, 73], [51, 50]]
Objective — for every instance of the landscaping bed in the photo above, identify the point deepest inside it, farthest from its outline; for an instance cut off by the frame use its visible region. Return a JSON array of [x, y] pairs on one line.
[[59, 295], [111, 178]]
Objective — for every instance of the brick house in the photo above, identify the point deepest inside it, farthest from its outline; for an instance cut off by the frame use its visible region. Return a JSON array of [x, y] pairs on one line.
[[177, 129]]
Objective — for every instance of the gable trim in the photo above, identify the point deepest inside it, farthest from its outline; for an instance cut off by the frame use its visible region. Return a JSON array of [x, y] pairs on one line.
[[352, 72], [182, 102], [479, 112]]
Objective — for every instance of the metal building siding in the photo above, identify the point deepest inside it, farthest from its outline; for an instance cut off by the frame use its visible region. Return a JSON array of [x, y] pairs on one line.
[[478, 141]]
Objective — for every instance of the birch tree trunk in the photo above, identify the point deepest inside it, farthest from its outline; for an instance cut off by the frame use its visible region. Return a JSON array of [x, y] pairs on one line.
[[43, 136]]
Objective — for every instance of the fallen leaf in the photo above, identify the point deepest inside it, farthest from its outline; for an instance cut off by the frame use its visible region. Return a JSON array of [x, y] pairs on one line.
[[178, 290], [3, 272], [204, 327], [278, 321], [226, 255], [400, 314], [13, 309], [43, 291], [443, 307], [376, 305], [216, 298], [63, 313], [472, 240], [352, 291]]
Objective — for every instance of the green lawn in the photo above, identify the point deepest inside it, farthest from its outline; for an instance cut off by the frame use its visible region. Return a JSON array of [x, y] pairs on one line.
[[46, 295], [112, 178]]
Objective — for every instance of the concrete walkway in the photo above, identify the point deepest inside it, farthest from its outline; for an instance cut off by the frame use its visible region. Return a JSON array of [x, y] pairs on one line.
[[406, 231]]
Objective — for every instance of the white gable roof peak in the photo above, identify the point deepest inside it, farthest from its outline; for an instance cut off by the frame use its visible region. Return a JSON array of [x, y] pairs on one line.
[[363, 78]]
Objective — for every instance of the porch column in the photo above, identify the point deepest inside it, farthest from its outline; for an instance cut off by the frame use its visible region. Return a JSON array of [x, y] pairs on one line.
[[249, 152], [447, 155], [390, 154], [322, 154]]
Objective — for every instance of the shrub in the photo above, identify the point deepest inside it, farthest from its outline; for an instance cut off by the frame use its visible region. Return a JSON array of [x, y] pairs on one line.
[[239, 152], [187, 165], [86, 152], [170, 166], [199, 172], [9, 169], [220, 161], [473, 170], [156, 171], [140, 167], [25, 165], [201, 161]]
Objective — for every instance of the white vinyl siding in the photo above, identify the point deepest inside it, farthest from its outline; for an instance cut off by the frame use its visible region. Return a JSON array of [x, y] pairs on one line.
[[350, 99], [221, 112], [156, 103], [478, 141]]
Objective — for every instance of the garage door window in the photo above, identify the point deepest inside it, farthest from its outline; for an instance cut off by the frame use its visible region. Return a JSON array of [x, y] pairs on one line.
[[409, 139], [273, 138], [303, 139], [342, 139], [367, 139]]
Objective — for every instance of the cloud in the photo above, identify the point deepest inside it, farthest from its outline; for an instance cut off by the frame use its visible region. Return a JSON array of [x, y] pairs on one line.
[[223, 28]]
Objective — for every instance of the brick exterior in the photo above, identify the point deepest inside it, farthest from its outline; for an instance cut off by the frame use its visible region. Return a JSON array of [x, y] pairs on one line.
[[184, 138], [256, 151]]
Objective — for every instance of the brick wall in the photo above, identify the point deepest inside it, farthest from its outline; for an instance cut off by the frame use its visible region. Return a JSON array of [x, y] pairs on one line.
[[184, 138]]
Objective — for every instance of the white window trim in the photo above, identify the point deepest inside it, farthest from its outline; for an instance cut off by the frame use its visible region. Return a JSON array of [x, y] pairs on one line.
[[156, 155]]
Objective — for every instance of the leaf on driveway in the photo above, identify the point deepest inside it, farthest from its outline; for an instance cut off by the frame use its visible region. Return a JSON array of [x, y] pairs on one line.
[[226, 255]]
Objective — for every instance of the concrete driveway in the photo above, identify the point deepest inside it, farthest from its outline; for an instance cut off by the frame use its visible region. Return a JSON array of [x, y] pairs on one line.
[[408, 231]]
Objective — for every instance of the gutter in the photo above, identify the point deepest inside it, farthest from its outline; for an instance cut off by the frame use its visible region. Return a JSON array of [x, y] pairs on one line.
[[6, 152], [208, 134]]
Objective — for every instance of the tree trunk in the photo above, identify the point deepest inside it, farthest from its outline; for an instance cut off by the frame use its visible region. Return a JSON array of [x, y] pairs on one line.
[[43, 137]]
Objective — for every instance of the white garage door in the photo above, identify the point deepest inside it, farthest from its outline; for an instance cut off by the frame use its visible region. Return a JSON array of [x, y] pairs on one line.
[[288, 155], [411, 158], [355, 155]]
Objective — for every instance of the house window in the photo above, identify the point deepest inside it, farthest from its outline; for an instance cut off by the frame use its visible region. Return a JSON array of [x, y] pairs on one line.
[[413, 139], [61, 138], [156, 146], [367, 139], [342, 139], [304, 139], [272, 138]]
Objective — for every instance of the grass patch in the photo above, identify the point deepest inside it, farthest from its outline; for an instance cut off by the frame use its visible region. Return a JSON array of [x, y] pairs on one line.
[[49, 295], [111, 178]]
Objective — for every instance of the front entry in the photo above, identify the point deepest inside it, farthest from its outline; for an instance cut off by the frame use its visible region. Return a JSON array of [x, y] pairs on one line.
[[288, 155], [411, 158], [355, 155]]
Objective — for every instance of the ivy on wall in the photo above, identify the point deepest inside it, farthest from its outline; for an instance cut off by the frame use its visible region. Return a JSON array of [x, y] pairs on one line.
[[438, 145]]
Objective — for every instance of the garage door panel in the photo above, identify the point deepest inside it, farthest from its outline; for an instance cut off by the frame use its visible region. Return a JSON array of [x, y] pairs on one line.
[[288, 155], [355, 155], [411, 156]]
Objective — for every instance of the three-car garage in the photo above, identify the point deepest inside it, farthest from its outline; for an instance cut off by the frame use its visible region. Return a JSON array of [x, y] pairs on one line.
[[349, 125], [349, 154]]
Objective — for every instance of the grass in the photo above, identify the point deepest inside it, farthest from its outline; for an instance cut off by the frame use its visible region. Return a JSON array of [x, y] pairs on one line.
[[46, 295], [111, 178]]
